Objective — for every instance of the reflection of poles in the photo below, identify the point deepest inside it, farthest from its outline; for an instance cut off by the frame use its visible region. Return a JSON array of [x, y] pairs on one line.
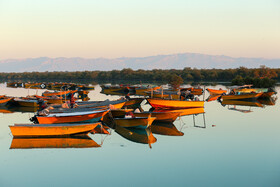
[[203, 122], [161, 92], [204, 93]]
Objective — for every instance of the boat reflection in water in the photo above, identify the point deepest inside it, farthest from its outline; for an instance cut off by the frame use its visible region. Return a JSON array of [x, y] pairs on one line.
[[143, 136], [10, 109], [53, 142], [166, 128]]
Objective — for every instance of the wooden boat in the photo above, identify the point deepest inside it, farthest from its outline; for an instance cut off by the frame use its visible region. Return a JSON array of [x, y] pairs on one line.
[[61, 94], [134, 102], [142, 90], [5, 100], [242, 103], [143, 136], [216, 92], [107, 89], [75, 117], [246, 96], [49, 130], [118, 104], [137, 122], [194, 91], [53, 142], [26, 102], [213, 98], [167, 129], [267, 101], [166, 116], [166, 103], [119, 113], [183, 112]]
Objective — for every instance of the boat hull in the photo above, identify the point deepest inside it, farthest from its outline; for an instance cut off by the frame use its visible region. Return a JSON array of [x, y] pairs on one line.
[[164, 103], [47, 130], [248, 96], [142, 123], [88, 117], [216, 92]]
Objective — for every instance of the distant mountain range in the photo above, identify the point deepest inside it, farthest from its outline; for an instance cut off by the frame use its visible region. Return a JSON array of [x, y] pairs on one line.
[[173, 61]]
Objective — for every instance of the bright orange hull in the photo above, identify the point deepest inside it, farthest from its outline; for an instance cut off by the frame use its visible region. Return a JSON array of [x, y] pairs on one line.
[[184, 112], [72, 119], [216, 92], [164, 103], [49, 94], [34, 130], [242, 96]]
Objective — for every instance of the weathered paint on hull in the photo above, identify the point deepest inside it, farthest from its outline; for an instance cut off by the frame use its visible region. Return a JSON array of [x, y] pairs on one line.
[[35, 130]]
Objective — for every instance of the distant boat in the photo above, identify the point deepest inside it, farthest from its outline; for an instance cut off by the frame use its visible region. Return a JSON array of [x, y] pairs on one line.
[[167, 103], [216, 92], [50, 130], [5, 100], [53, 142], [61, 93], [245, 96]]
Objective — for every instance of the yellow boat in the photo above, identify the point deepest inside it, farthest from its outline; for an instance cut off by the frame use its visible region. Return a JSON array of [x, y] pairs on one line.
[[245, 96], [68, 142], [49, 130], [167, 103], [167, 129], [137, 122], [143, 136]]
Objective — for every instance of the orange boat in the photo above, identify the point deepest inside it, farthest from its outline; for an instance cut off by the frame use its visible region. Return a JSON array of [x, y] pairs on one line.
[[119, 113], [194, 91], [183, 112], [26, 102], [53, 142], [166, 103], [4, 101], [49, 130], [74, 117], [213, 98], [216, 92], [133, 102], [143, 136], [61, 94], [142, 90], [137, 122], [165, 116], [245, 96]]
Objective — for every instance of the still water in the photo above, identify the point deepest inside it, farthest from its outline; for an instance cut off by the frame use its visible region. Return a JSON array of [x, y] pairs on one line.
[[238, 147]]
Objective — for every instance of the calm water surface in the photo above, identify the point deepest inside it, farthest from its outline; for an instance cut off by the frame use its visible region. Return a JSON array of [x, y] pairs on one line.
[[237, 148]]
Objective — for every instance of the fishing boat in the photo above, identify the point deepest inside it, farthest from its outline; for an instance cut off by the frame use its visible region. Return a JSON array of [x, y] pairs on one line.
[[4, 100], [61, 93], [143, 89], [135, 122], [119, 113], [74, 117], [194, 91], [26, 102], [216, 92], [183, 112], [240, 96], [53, 142], [164, 116], [133, 103], [50, 130], [143, 136], [167, 129], [168, 103], [92, 104], [213, 98], [242, 103]]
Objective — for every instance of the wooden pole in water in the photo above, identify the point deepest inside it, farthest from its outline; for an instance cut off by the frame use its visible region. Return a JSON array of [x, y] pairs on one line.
[[161, 92]]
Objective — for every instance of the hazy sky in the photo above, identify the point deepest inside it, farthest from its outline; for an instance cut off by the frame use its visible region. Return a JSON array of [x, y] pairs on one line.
[[135, 28]]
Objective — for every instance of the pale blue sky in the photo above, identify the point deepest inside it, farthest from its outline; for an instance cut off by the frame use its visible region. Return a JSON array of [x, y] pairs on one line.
[[116, 28]]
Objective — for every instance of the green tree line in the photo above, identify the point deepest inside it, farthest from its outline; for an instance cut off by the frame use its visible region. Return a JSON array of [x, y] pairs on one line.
[[155, 75]]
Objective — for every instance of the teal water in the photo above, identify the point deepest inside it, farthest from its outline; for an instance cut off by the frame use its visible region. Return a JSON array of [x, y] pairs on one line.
[[235, 149]]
